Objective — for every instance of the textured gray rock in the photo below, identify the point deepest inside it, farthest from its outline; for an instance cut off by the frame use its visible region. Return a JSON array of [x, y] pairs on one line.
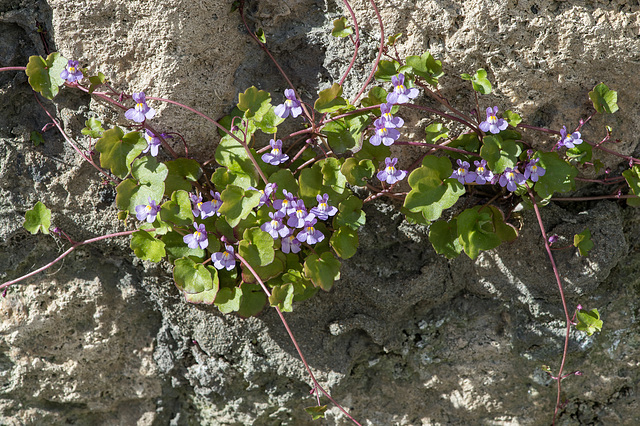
[[405, 337]]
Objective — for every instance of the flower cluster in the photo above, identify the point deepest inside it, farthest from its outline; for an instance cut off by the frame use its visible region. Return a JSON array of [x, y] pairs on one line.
[[511, 177], [291, 214]]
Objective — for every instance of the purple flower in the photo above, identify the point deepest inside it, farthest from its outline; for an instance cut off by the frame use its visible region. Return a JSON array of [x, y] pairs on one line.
[[284, 205], [290, 244], [204, 209], [483, 174], [462, 173], [533, 171], [390, 120], [71, 73], [276, 156], [493, 124], [298, 215], [291, 105], [216, 202], [323, 210], [400, 94], [310, 234], [511, 178], [224, 259], [265, 195], [552, 239], [141, 111], [569, 141], [148, 212], [198, 238], [389, 174], [153, 143], [274, 227], [385, 134]]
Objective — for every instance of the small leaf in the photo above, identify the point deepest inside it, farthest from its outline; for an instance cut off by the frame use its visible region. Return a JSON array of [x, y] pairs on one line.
[[589, 322], [391, 40], [559, 175], [180, 173], [228, 299], [376, 96], [386, 70], [604, 100], [256, 247], [512, 118], [176, 248], [583, 242], [147, 247], [255, 103], [357, 171], [436, 131], [117, 150], [178, 210], [237, 203], [475, 229], [330, 100], [316, 412], [500, 153], [252, 301], [480, 82], [96, 81], [341, 29], [36, 138], [38, 219], [350, 214], [231, 154], [282, 297], [632, 176], [322, 270], [345, 242], [94, 128], [426, 67], [44, 75], [192, 277], [443, 236], [260, 35]]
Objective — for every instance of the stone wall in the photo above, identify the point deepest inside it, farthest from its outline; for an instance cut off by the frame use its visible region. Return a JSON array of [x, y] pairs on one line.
[[405, 337]]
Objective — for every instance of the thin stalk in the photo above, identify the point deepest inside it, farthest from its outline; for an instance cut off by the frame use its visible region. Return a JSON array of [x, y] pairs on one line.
[[63, 255], [294, 341], [356, 43], [564, 303], [380, 50]]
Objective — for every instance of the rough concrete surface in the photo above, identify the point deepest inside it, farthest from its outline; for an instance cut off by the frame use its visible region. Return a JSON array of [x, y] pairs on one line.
[[405, 337]]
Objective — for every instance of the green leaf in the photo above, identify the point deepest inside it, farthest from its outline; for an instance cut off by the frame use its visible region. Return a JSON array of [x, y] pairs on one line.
[[467, 142], [237, 203], [117, 150], [192, 277], [604, 100], [345, 241], [96, 81], [180, 173], [632, 176], [260, 35], [285, 180], [339, 136], [426, 67], [94, 128], [176, 248], [256, 247], [147, 247], [178, 210], [386, 70], [330, 100], [391, 40], [255, 103], [500, 154], [323, 270], [302, 286], [512, 118], [341, 29], [252, 301], [208, 296], [333, 181], [316, 412], [350, 214], [228, 299], [376, 96], [475, 230], [266, 272], [583, 242], [231, 154], [580, 153], [36, 138], [377, 154], [282, 297], [589, 322], [559, 175], [310, 182], [436, 131], [44, 74], [432, 190], [443, 236], [38, 219], [481, 83], [269, 121], [357, 171], [148, 171]]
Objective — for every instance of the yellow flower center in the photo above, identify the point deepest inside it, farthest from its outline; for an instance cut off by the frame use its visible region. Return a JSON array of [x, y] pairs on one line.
[[480, 169], [197, 234], [140, 106], [72, 69], [492, 119], [149, 207], [391, 169]]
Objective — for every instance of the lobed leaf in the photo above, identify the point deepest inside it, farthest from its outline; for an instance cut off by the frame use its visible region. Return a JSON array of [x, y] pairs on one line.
[[426, 67], [38, 219], [583, 242], [322, 270], [604, 100], [330, 100], [117, 150], [146, 247], [44, 74], [341, 29]]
